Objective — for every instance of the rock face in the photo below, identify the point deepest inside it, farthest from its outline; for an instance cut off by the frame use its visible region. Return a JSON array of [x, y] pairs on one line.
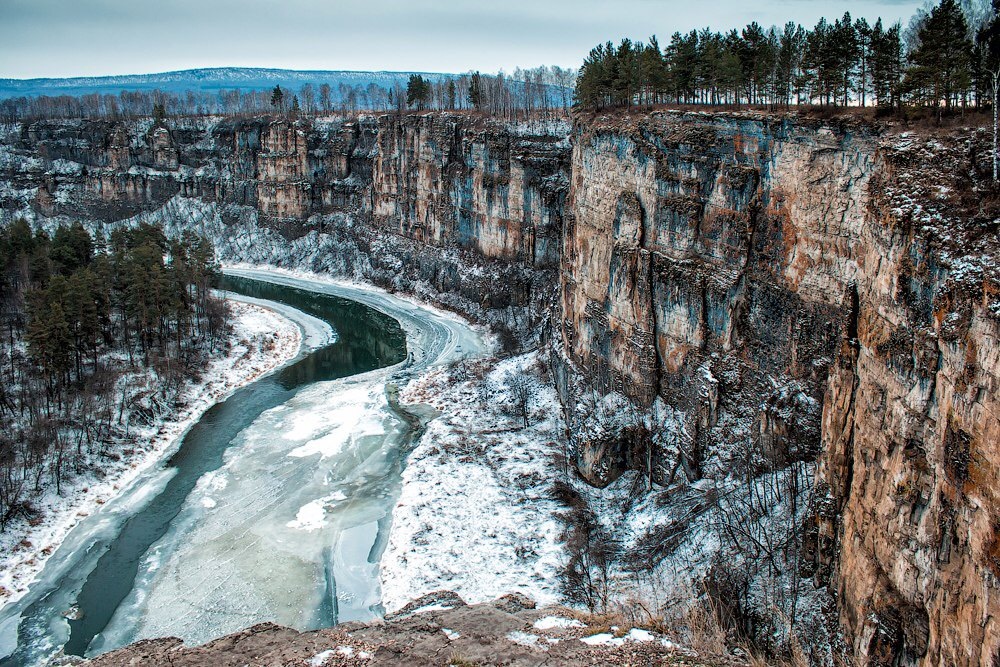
[[460, 209], [751, 286], [911, 420], [806, 291], [705, 263], [496, 192]]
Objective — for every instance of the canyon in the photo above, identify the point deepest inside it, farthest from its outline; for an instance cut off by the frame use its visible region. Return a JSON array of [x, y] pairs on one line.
[[720, 294]]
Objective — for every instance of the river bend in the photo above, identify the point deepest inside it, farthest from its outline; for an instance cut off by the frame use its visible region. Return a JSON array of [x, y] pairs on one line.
[[277, 504]]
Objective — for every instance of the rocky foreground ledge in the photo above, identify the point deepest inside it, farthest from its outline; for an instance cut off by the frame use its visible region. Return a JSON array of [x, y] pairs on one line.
[[437, 629]]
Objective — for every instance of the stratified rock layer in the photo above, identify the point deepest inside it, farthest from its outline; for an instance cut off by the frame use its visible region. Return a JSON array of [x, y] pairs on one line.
[[463, 210]]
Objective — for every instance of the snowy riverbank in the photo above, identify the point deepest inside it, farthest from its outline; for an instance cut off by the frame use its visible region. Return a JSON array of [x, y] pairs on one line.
[[475, 515], [262, 340]]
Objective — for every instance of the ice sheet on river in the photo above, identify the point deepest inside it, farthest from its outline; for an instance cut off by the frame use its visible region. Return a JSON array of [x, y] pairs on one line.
[[284, 530]]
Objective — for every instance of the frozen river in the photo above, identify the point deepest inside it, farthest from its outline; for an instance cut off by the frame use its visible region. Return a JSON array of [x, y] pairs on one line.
[[276, 506]]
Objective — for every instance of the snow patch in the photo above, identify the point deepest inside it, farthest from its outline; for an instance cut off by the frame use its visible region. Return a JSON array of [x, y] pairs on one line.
[[320, 659], [475, 516], [310, 516], [557, 622], [608, 639], [603, 639], [430, 607], [524, 638]]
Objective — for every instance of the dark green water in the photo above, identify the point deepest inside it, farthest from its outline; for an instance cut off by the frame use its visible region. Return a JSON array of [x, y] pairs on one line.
[[366, 340]]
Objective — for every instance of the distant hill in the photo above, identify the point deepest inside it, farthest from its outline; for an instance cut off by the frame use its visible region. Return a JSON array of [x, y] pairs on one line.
[[210, 80]]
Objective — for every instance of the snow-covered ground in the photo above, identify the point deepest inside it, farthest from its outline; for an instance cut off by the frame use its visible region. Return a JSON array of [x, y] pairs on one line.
[[262, 340], [475, 516]]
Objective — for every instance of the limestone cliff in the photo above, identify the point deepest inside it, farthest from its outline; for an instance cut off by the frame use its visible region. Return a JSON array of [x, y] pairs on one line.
[[756, 290], [458, 209], [705, 262], [911, 418], [798, 290]]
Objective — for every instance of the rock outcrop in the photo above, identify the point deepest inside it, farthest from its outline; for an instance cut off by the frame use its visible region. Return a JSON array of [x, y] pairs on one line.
[[753, 287], [435, 630], [911, 418], [705, 263]]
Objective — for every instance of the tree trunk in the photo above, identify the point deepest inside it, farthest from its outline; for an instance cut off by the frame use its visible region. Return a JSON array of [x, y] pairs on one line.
[[996, 81]]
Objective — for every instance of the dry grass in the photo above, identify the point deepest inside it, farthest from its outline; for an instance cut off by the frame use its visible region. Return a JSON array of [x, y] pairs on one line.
[[594, 619], [457, 660], [704, 633]]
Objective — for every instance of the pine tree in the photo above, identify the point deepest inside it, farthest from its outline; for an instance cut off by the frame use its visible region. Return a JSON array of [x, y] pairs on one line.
[[886, 64], [683, 72], [652, 71], [593, 82], [626, 73], [791, 48], [708, 65], [72, 248], [278, 98], [939, 69], [418, 91], [82, 316], [843, 47], [49, 339], [864, 50], [476, 91], [817, 61], [731, 69], [754, 57]]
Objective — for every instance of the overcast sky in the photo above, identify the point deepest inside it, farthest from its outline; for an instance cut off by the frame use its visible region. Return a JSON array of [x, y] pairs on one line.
[[56, 38]]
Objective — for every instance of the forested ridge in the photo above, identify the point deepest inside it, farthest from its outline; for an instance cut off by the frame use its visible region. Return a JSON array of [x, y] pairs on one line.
[[98, 334], [948, 56], [516, 95]]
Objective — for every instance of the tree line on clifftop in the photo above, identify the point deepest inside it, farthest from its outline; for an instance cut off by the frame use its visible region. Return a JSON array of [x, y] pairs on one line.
[[96, 335], [949, 56]]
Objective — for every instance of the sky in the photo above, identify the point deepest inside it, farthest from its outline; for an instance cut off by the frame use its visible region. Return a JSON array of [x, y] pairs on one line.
[[60, 38]]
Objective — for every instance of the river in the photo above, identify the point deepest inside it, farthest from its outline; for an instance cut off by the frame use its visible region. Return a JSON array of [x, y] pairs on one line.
[[275, 507]]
